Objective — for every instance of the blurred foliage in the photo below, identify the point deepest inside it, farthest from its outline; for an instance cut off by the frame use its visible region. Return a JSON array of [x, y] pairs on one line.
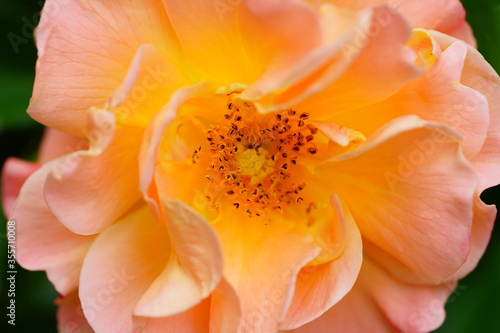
[[474, 307]]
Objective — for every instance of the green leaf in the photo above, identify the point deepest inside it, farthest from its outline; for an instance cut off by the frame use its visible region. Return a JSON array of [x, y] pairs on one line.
[[14, 99]]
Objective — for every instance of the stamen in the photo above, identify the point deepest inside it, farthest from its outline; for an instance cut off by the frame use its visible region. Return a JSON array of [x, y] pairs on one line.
[[254, 157], [312, 150]]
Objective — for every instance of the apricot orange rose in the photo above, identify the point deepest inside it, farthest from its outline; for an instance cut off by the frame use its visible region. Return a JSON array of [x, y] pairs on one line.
[[256, 166]]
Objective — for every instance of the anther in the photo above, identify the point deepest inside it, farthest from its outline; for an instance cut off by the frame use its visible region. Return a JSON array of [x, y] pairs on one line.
[[312, 150]]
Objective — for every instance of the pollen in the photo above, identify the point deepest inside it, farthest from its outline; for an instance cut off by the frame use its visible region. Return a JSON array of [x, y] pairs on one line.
[[255, 163], [252, 160]]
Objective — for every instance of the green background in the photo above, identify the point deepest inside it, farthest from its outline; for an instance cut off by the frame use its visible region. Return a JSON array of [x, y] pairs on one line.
[[475, 307]]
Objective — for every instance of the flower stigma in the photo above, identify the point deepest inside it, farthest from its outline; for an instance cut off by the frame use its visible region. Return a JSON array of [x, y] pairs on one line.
[[255, 162]]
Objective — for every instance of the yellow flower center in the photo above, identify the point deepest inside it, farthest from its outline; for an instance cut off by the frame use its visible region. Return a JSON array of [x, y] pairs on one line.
[[256, 163], [253, 160]]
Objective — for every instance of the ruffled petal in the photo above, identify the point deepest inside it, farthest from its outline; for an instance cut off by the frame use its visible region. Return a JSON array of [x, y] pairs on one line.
[[411, 308], [355, 313], [447, 16], [72, 77], [407, 187], [15, 171], [479, 75], [225, 309], [482, 226], [193, 320], [453, 23], [149, 153], [56, 144], [119, 267], [464, 32], [70, 317], [219, 38], [381, 64], [437, 96], [320, 287], [262, 266], [150, 82], [283, 85], [385, 305], [14, 174], [194, 268], [58, 251], [89, 190]]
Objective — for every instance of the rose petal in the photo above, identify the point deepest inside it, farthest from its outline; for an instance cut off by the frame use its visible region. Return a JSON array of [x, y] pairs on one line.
[[70, 316], [280, 86], [480, 76], [407, 186], [14, 174], [482, 226], [445, 16], [453, 23], [94, 67], [59, 251], [353, 314], [194, 268], [464, 32], [219, 37], [384, 65], [262, 267], [148, 85], [320, 287], [119, 267], [56, 144], [90, 189], [194, 320], [391, 264], [386, 305], [225, 309], [411, 308], [437, 96], [151, 142]]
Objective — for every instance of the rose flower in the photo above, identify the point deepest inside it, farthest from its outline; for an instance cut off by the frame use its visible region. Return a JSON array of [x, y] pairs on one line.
[[256, 166]]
